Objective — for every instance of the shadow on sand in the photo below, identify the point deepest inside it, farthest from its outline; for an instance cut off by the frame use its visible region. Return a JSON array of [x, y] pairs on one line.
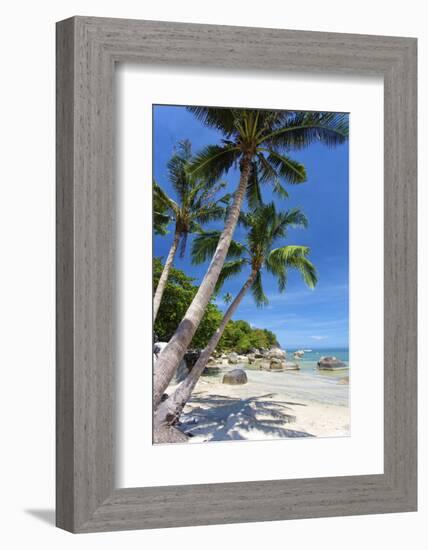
[[222, 418]]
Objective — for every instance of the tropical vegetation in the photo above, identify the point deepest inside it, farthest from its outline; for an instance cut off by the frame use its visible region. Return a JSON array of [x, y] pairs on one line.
[[179, 292]]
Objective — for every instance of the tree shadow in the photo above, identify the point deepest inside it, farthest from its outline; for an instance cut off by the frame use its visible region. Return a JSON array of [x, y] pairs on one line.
[[222, 418], [47, 515]]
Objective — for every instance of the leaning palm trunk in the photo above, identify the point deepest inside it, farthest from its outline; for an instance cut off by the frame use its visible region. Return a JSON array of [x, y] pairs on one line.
[[170, 357], [164, 276], [170, 410]]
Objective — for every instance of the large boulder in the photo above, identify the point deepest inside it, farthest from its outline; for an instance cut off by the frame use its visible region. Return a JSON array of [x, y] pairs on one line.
[[277, 353], [331, 363], [235, 377], [233, 358]]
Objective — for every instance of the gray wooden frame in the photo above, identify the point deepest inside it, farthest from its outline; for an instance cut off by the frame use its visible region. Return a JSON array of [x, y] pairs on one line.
[[87, 50]]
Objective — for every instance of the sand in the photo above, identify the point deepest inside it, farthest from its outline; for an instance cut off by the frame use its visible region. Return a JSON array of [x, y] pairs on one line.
[[272, 405]]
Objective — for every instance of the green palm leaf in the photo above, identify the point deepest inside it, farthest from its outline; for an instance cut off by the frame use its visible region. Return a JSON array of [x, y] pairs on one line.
[[257, 291], [294, 257], [205, 244], [254, 194], [289, 169], [213, 161], [222, 119], [300, 129], [162, 199], [230, 269]]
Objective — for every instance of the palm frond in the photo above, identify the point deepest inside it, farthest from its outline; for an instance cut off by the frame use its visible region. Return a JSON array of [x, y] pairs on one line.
[[254, 194], [307, 270], [213, 162], [300, 129], [178, 177], [229, 270], [267, 173], [294, 257], [194, 227], [160, 222], [295, 218], [257, 291], [163, 199], [204, 245], [222, 119], [209, 214], [287, 168]]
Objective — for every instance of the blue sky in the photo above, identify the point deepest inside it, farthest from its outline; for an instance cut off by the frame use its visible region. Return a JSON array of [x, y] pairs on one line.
[[300, 317]]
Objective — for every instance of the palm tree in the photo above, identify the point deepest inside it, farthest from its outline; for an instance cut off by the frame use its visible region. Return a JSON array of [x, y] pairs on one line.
[[265, 227], [195, 205], [161, 219], [258, 142], [227, 298]]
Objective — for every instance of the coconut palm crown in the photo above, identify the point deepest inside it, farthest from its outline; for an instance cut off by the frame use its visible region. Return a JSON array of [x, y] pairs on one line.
[[196, 204], [265, 226], [264, 139]]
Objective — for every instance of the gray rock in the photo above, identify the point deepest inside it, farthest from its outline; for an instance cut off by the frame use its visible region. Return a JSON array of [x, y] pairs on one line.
[[235, 377], [275, 364], [277, 353], [331, 363], [233, 358], [210, 370]]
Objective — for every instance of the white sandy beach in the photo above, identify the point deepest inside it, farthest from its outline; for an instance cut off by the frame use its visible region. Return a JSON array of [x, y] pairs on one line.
[[271, 405]]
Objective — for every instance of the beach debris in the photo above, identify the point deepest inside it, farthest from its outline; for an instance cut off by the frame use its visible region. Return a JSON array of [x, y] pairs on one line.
[[331, 363], [235, 377]]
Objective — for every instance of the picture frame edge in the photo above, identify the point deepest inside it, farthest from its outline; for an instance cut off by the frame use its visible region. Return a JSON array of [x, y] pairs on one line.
[[87, 50]]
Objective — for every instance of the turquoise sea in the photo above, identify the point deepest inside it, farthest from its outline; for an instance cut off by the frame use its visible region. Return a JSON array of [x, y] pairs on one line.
[[309, 361]]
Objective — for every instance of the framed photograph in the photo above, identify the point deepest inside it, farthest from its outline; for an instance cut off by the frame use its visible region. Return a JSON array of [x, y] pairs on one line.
[[236, 274]]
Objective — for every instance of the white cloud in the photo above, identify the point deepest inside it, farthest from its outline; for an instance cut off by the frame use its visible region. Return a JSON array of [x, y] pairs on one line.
[[319, 337]]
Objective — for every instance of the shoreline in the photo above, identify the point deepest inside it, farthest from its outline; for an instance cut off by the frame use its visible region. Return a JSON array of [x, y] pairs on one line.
[[271, 405]]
